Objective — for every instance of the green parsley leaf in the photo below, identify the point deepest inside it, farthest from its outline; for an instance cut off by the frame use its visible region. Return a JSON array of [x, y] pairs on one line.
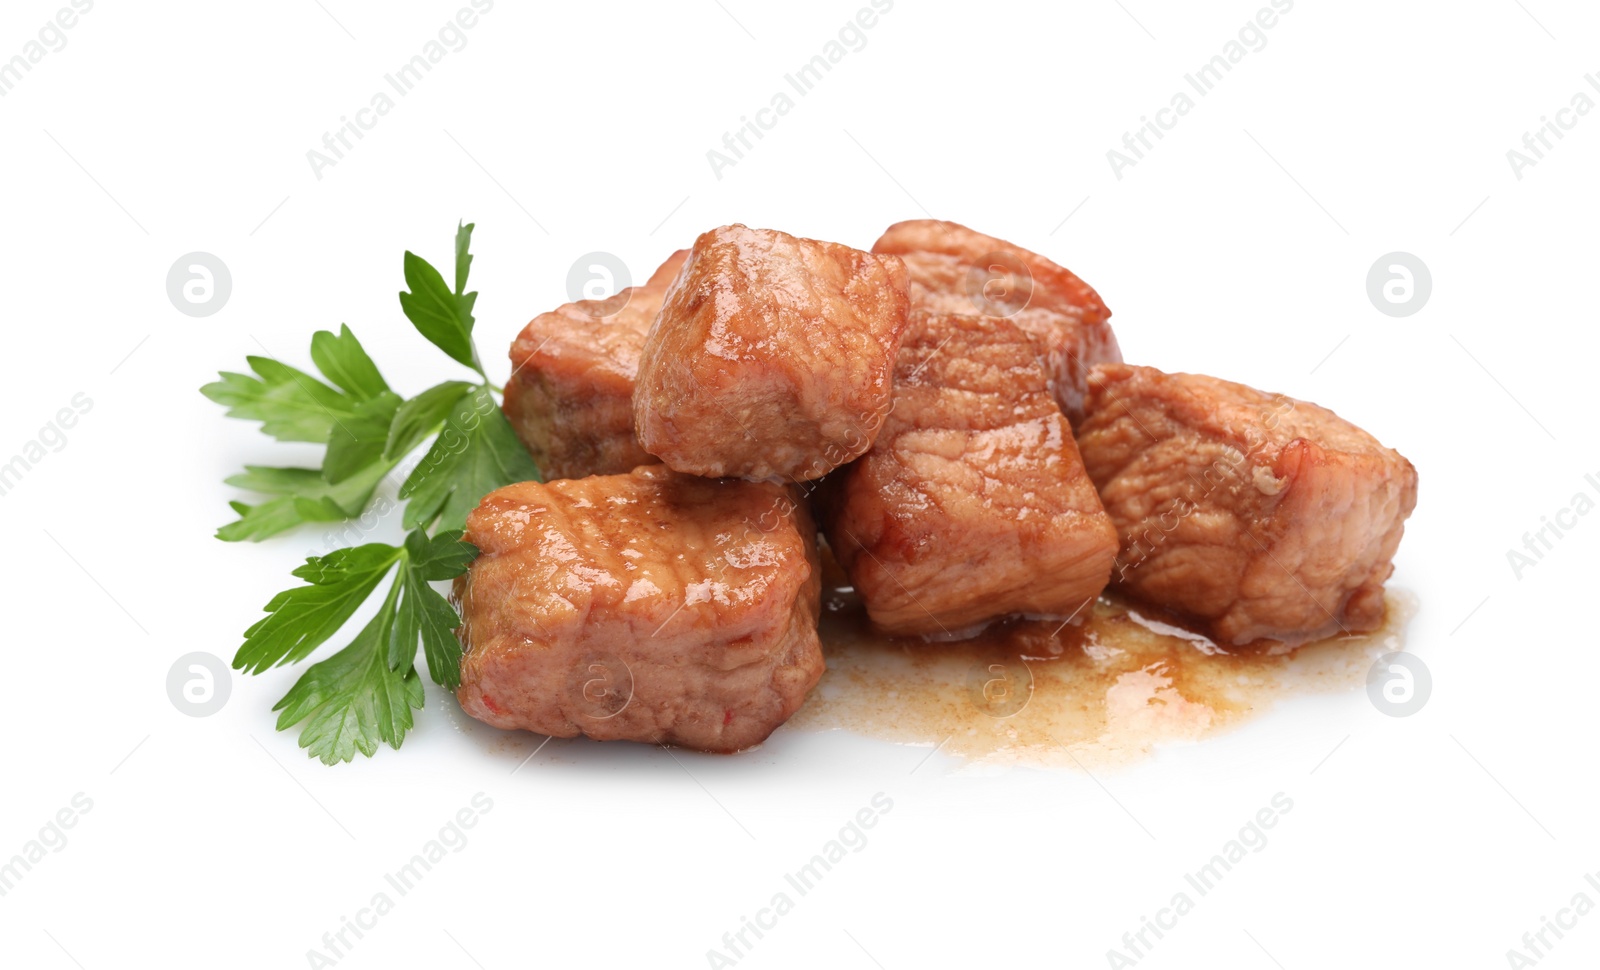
[[274, 516], [303, 618], [442, 315], [354, 422], [421, 417], [440, 557], [463, 257], [354, 699], [290, 404], [423, 612], [344, 361], [476, 453], [257, 522], [357, 442], [303, 495], [365, 693], [277, 481]]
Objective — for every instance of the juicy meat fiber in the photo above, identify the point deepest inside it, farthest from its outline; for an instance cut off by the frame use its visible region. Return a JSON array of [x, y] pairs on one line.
[[1262, 517], [771, 356], [973, 504], [650, 606], [570, 397], [954, 269]]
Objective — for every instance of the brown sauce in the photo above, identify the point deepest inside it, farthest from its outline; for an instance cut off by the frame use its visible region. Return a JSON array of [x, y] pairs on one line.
[[1103, 690]]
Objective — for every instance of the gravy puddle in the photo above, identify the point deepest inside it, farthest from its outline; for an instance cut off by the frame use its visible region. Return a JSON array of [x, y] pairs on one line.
[[1102, 691]]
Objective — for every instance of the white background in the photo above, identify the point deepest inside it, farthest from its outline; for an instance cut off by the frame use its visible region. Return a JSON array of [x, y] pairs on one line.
[[1239, 247]]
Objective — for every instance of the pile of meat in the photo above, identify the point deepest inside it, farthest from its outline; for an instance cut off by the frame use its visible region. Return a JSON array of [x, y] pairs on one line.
[[952, 411]]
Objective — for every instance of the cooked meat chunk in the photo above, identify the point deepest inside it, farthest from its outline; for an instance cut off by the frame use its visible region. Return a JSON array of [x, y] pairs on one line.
[[973, 504], [771, 356], [570, 397], [668, 271], [956, 270], [1261, 517], [651, 606]]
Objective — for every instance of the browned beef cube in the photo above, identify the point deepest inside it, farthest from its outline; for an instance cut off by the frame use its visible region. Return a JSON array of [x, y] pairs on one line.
[[651, 606], [1261, 517], [771, 356], [570, 396], [973, 504], [956, 270], [668, 271]]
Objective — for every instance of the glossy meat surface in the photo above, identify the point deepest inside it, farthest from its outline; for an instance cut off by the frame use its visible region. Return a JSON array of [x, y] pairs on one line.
[[973, 504], [771, 357], [570, 395], [1261, 517], [650, 606], [954, 269]]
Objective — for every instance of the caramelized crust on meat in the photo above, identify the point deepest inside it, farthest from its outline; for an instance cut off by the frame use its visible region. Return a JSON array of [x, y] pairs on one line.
[[570, 396], [973, 504], [1259, 516], [651, 606], [771, 356], [954, 269]]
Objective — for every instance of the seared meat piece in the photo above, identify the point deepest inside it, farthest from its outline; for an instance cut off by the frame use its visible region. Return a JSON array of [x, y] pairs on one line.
[[956, 270], [771, 356], [973, 504], [570, 396], [651, 606], [1262, 517], [668, 271]]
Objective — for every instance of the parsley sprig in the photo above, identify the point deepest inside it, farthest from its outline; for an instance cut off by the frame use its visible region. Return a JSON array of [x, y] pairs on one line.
[[365, 692]]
